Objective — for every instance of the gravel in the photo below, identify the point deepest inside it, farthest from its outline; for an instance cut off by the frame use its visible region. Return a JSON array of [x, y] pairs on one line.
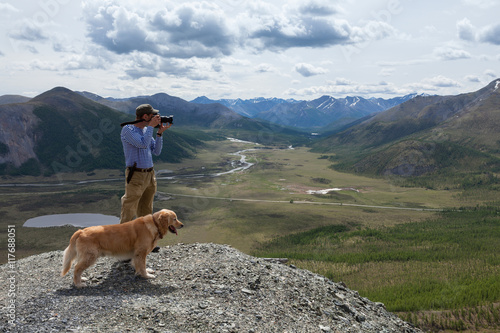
[[198, 288]]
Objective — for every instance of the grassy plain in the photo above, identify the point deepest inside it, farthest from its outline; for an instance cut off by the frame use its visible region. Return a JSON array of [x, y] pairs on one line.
[[365, 234]]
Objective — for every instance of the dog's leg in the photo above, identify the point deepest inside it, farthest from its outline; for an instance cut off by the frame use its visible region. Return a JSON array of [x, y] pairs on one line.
[[70, 253], [84, 262], [139, 263]]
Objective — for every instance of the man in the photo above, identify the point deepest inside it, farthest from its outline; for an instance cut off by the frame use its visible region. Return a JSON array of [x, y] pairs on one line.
[[139, 147]]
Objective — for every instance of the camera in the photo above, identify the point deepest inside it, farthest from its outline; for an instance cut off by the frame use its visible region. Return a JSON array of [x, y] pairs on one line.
[[165, 119]]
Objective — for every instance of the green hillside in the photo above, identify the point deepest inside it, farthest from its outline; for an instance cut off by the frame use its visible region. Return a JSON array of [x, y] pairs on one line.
[[427, 141], [64, 131], [447, 266], [75, 134]]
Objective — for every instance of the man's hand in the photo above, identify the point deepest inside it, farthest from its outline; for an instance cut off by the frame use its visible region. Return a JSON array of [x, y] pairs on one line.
[[154, 121], [164, 127]]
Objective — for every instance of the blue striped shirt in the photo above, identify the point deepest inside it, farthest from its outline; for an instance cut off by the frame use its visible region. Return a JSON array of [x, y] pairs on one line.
[[139, 146]]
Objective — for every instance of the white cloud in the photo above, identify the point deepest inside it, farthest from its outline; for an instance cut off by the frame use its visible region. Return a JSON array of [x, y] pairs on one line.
[[373, 30], [27, 30], [466, 31], [85, 62], [235, 62], [450, 53], [342, 88], [202, 30], [309, 70], [264, 68], [180, 31], [341, 82], [282, 33], [317, 8], [37, 64], [487, 34], [472, 78], [223, 47], [441, 81], [490, 34], [491, 73]]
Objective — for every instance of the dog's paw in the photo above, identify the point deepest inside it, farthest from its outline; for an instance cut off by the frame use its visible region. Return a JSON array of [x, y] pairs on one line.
[[84, 279], [149, 270], [150, 276]]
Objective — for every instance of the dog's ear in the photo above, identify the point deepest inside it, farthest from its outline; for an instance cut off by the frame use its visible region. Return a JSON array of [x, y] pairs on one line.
[[165, 217]]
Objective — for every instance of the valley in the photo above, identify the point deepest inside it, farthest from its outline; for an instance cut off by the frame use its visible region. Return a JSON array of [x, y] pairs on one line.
[[364, 237], [401, 205]]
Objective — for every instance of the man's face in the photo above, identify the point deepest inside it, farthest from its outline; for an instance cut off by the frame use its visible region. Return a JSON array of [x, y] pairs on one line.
[[148, 117]]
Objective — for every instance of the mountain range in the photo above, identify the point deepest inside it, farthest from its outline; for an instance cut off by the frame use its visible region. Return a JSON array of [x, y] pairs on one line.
[[450, 135], [66, 131], [185, 113], [324, 113], [62, 130]]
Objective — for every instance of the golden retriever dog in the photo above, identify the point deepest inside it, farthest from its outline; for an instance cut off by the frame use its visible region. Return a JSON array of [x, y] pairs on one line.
[[132, 240]]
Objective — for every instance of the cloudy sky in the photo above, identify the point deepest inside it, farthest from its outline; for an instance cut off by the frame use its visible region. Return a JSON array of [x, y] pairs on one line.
[[299, 49]]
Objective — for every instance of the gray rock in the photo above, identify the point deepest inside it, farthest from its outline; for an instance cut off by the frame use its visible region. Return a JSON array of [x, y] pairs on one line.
[[207, 288]]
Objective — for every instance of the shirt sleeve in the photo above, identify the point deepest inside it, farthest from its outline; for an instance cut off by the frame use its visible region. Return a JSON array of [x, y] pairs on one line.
[[137, 140], [157, 145]]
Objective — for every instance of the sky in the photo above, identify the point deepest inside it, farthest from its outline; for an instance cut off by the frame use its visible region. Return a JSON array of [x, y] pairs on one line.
[[300, 49]]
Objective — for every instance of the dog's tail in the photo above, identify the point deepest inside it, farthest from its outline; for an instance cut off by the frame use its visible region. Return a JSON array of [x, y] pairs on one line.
[[70, 253]]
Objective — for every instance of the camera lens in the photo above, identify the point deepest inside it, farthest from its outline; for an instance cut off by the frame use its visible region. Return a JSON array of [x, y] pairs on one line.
[[165, 119]]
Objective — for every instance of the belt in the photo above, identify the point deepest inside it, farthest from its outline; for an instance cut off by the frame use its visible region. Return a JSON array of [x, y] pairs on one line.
[[144, 170], [133, 169]]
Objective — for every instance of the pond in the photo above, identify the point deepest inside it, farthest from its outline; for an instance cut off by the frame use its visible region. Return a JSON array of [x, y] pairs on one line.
[[82, 220]]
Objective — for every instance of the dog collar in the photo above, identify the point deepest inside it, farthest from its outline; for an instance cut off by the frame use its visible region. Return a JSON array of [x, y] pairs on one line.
[[157, 227]]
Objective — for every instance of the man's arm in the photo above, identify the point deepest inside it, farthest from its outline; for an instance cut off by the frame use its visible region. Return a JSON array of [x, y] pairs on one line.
[[136, 139], [157, 144]]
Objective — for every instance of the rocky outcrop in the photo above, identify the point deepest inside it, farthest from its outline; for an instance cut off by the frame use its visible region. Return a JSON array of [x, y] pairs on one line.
[[198, 288], [17, 133]]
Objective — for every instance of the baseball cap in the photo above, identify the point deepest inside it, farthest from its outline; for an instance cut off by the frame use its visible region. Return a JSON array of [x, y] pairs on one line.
[[145, 109]]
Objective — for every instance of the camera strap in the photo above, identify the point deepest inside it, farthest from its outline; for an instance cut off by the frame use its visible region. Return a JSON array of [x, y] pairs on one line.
[[132, 122]]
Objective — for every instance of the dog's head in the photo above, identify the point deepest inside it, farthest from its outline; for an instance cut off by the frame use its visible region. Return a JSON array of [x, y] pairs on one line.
[[168, 221]]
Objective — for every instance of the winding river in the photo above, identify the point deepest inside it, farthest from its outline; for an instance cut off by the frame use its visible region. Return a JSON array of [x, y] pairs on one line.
[[236, 165], [87, 220]]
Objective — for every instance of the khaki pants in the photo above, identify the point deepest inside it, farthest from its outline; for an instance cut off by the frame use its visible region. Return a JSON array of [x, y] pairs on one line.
[[139, 194]]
